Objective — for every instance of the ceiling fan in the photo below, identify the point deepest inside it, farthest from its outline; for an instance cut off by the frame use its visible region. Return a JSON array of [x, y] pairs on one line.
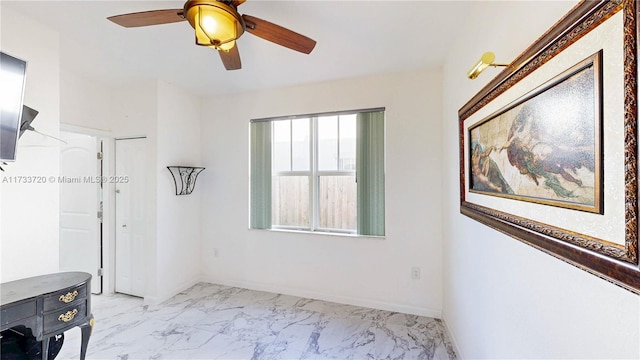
[[218, 25]]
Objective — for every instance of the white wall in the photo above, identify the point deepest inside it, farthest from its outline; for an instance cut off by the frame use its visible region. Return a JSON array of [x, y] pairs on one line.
[[179, 217], [504, 299], [354, 270], [84, 102], [134, 111], [30, 212], [85, 108], [170, 119]]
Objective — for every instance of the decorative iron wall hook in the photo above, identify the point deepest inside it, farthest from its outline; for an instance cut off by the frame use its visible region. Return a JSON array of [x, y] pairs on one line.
[[186, 177]]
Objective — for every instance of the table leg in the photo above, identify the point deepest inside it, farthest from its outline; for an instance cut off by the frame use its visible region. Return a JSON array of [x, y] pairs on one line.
[[45, 348], [86, 330]]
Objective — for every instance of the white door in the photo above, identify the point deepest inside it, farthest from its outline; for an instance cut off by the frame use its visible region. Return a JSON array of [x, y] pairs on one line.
[[130, 215], [80, 195]]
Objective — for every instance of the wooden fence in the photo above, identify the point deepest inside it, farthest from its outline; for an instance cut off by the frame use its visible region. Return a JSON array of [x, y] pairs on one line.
[[337, 202]]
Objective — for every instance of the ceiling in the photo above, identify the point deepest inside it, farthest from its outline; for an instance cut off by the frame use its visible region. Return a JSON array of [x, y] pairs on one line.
[[354, 38]]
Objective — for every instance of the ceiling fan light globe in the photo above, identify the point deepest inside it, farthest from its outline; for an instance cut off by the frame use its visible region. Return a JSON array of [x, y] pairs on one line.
[[214, 23], [217, 25], [208, 24], [226, 46]]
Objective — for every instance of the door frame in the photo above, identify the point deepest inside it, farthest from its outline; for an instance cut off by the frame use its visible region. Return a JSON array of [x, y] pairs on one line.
[[108, 202]]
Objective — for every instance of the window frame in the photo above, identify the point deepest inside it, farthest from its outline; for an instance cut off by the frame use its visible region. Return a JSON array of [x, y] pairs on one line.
[[314, 173]]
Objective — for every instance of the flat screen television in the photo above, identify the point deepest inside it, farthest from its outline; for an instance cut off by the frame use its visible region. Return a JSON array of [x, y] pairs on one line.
[[12, 79]]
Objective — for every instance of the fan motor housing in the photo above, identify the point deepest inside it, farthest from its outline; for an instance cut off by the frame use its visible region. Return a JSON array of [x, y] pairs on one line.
[[191, 9]]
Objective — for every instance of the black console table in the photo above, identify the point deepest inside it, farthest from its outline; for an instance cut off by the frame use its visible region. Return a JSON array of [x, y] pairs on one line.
[[49, 305]]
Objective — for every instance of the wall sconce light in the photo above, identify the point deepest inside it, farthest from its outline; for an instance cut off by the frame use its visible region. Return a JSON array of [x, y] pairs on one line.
[[187, 176], [486, 60]]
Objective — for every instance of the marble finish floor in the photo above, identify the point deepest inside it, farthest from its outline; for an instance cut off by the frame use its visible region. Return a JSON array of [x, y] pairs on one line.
[[219, 322]]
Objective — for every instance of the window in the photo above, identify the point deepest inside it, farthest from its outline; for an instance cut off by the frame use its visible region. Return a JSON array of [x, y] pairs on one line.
[[319, 173]]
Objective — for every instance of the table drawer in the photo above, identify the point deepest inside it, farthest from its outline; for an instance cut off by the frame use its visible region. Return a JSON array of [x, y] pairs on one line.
[[65, 317], [17, 312], [64, 298]]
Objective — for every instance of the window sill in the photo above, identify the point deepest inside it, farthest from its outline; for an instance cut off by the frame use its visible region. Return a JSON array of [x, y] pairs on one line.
[[326, 233]]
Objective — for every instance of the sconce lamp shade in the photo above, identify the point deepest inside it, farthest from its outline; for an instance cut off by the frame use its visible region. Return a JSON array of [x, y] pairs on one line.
[[485, 60], [184, 178], [215, 23]]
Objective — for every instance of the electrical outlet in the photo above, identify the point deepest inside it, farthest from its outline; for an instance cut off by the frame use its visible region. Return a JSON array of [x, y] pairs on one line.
[[415, 273], [215, 252]]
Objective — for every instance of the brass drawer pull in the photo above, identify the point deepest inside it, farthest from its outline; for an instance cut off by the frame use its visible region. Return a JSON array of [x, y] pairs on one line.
[[69, 297], [68, 316]]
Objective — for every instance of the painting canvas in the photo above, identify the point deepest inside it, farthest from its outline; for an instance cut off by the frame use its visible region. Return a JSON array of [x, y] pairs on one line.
[[545, 147]]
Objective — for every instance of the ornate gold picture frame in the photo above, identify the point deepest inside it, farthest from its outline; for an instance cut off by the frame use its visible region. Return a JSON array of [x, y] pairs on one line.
[[564, 183]]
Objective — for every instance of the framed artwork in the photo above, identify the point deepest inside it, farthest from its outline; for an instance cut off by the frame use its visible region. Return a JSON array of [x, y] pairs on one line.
[[548, 149]]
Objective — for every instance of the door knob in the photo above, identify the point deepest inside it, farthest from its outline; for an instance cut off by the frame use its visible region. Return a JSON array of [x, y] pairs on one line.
[[124, 225]]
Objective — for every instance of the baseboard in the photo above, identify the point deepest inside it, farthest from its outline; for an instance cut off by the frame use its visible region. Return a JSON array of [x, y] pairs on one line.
[[456, 348], [362, 302], [153, 300]]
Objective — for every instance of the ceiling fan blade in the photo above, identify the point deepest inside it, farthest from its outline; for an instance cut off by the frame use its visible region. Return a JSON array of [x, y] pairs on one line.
[[237, 2], [146, 18], [231, 59], [279, 35]]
